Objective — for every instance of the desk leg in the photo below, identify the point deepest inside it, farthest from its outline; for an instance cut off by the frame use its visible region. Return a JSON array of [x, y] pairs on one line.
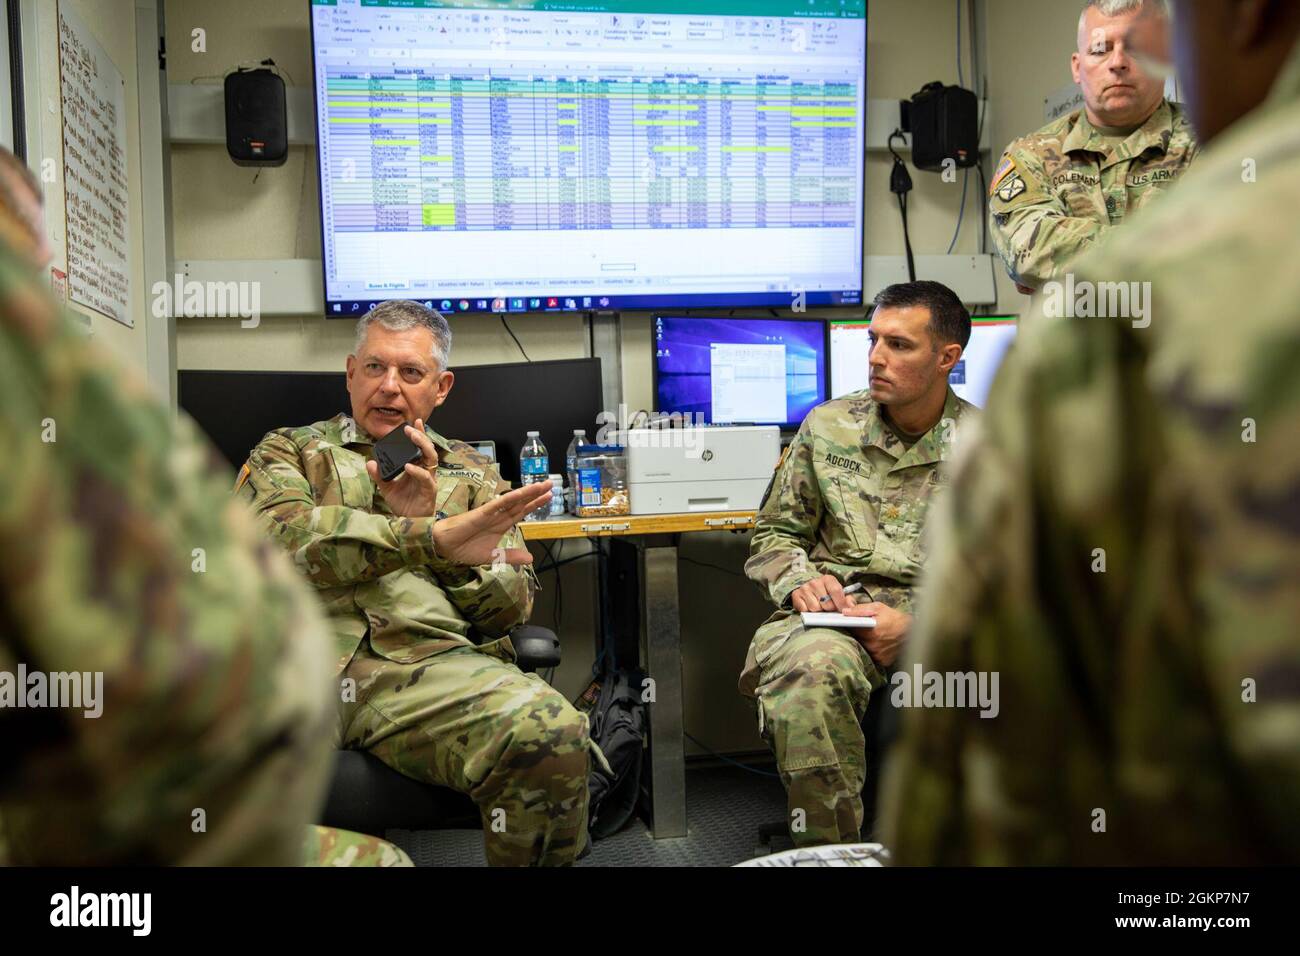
[[663, 630]]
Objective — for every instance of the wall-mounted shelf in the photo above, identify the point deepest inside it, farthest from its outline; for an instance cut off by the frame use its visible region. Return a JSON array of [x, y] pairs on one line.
[[285, 286], [196, 113], [973, 278]]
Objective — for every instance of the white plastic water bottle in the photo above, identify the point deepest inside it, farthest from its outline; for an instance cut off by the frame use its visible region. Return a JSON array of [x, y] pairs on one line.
[[557, 497], [571, 469], [534, 466]]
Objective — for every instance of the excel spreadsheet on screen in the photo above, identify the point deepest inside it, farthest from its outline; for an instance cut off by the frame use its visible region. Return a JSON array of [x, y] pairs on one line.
[[546, 155]]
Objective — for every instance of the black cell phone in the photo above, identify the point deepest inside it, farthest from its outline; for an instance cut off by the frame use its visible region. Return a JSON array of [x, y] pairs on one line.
[[394, 452]]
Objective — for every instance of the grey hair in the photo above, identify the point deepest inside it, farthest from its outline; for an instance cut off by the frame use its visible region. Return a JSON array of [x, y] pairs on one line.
[[400, 315], [1114, 8]]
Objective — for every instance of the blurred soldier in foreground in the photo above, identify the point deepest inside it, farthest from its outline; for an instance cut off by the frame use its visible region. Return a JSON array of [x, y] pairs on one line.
[[429, 683], [847, 506], [1122, 543], [175, 702], [195, 655], [1061, 189]]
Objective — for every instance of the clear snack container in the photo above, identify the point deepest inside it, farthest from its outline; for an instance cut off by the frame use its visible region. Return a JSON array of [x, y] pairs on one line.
[[602, 481]]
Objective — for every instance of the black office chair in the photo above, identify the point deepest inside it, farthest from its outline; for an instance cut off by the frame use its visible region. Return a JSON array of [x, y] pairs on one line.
[[368, 796]]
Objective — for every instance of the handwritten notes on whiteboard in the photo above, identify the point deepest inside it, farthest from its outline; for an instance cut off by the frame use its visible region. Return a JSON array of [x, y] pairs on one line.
[[94, 172]]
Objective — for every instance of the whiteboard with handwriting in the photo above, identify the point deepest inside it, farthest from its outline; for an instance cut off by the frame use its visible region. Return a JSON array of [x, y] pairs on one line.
[[94, 172]]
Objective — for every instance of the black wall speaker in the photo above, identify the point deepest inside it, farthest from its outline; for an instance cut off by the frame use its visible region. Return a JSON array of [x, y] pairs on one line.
[[944, 123], [257, 120]]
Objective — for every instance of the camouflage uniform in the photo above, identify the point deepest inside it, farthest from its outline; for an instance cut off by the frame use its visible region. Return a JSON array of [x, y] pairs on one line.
[[1061, 189], [326, 846], [419, 691], [121, 553], [1123, 691], [849, 500]]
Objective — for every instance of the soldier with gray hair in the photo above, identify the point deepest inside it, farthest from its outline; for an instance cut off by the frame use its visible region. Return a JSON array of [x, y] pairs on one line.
[[1059, 190], [428, 682], [401, 315]]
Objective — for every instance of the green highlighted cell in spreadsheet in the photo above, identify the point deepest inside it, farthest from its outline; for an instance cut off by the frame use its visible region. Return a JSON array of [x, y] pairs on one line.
[[568, 149], [386, 104], [432, 159], [382, 120], [439, 94], [823, 111], [566, 122], [439, 214]]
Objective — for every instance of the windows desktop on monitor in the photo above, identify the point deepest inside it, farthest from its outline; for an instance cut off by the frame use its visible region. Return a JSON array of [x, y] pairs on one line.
[[971, 379], [739, 371]]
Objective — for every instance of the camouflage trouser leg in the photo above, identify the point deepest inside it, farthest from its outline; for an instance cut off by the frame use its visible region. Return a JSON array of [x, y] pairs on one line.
[[471, 721], [813, 689], [326, 846]]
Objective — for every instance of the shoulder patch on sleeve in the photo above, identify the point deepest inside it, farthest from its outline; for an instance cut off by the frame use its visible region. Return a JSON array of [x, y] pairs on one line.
[[1005, 168], [244, 472], [1012, 187]]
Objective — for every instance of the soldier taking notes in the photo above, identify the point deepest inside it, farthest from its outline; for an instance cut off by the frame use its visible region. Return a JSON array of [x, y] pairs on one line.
[[848, 506]]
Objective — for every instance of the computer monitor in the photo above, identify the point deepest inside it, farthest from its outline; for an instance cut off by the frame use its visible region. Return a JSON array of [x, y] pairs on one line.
[[739, 371], [990, 337], [236, 409], [539, 156]]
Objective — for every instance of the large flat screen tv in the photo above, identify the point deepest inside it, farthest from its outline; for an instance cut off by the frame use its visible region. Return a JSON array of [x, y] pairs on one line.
[[568, 155]]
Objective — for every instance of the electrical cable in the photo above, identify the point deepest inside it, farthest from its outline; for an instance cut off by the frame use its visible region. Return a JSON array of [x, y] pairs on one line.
[[559, 588], [552, 566], [961, 210], [577, 557], [979, 136], [982, 81], [979, 140], [713, 753], [716, 567], [960, 80], [900, 184], [515, 337]]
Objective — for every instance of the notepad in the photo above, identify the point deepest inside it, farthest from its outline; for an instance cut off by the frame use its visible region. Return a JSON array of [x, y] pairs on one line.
[[820, 619]]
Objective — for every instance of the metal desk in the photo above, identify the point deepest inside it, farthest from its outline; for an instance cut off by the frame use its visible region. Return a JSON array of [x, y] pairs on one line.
[[661, 630]]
